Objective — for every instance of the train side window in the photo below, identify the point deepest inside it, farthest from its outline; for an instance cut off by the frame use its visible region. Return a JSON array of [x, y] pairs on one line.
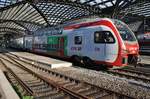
[[109, 38], [78, 39], [103, 37], [98, 37]]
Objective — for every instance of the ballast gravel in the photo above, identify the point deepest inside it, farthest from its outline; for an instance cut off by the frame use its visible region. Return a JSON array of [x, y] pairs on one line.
[[124, 86]]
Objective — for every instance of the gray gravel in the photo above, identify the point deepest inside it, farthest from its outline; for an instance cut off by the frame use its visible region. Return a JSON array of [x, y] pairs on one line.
[[128, 87]]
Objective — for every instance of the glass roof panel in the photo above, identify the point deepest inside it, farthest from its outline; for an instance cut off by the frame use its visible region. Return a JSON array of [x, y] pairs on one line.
[[4, 3], [142, 8], [52, 12]]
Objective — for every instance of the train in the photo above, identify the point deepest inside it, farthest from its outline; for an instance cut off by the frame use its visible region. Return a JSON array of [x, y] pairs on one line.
[[89, 40], [144, 42]]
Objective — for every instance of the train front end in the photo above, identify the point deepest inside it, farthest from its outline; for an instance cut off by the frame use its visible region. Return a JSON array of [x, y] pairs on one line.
[[129, 48]]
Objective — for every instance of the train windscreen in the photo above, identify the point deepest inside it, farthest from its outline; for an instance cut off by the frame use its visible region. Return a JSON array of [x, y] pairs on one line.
[[125, 32]]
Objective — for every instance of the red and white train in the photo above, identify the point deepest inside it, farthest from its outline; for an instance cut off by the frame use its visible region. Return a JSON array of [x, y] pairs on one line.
[[97, 40]]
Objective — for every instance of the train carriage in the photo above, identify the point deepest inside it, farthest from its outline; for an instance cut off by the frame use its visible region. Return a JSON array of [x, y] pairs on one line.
[[17, 43], [98, 40], [28, 40]]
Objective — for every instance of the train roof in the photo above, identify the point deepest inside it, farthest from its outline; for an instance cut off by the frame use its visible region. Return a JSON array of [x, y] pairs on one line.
[[83, 20], [73, 22]]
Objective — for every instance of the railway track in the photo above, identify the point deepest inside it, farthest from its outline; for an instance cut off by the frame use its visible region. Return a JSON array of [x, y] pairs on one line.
[[36, 85], [63, 86], [131, 74], [143, 69]]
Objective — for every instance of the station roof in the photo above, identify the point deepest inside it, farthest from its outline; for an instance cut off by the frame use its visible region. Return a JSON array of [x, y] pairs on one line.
[[140, 9], [26, 16]]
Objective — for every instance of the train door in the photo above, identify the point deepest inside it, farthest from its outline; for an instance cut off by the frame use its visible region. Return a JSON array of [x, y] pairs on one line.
[[75, 43], [90, 47], [111, 48], [99, 46], [63, 45]]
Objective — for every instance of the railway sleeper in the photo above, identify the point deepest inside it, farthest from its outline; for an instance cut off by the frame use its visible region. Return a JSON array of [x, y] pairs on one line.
[[70, 85], [83, 89], [93, 92], [80, 89], [57, 79], [102, 95], [98, 94], [46, 94], [40, 87], [63, 82], [43, 90], [89, 92], [25, 79], [32, 81], [36, 85], [61, 79], [12, 79], [60, 95], [77, 86], [28, 77]]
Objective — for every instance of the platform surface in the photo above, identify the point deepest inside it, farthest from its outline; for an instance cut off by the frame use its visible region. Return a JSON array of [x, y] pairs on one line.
[[54, 63], [6, 90], [145, 59]]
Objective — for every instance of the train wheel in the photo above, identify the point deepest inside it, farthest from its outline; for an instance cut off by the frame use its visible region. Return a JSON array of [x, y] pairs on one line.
[[102, 67], [87, 61], [76, 60]]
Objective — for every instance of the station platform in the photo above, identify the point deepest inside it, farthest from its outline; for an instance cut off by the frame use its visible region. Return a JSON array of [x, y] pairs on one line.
[[6, 90], [145, 59], [145, 51], [53, 63]]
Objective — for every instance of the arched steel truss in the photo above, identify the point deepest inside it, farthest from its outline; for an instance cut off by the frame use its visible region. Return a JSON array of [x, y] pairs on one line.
[[6, 30], [26, 16], [139, 9]]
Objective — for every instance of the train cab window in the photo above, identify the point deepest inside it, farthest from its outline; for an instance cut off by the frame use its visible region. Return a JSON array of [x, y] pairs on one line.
[[103, 37], [78, 39]]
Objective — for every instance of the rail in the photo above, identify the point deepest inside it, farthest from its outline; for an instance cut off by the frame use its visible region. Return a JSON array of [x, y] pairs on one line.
[[49, 71]]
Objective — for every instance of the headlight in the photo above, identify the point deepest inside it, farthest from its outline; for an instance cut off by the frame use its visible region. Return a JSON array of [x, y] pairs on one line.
[[124, 51]]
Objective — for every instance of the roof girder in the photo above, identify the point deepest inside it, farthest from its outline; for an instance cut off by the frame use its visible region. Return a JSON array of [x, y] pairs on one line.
[[31, 3], [3, 21], [79, 9], [13, 30], [18, 8]]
